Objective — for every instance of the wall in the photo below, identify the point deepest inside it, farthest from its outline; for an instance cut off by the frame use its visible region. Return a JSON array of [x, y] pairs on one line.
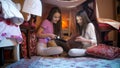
[[106, 8]]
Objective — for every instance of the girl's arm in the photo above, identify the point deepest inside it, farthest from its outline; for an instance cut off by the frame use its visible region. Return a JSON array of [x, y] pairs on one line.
[[90, 32], [82, 39], [40, 34]]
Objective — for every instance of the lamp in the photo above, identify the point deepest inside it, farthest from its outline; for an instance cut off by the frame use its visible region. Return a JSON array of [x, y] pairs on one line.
[[33, 7]]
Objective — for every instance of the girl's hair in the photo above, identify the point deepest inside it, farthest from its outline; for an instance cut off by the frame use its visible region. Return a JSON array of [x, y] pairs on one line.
[[85, 21], [57, 26]]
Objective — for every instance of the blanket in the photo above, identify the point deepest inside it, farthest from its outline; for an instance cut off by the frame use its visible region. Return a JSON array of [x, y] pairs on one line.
[[65, 62]]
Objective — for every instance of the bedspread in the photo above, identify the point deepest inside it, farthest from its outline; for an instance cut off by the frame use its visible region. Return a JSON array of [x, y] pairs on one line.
[[10, 31]]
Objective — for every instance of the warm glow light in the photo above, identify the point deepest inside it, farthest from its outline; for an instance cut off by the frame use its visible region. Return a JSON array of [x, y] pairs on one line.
[[64, 24]]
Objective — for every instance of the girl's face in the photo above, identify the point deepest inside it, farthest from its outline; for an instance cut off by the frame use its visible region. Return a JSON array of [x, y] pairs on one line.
[[56, 17], [79, 20]]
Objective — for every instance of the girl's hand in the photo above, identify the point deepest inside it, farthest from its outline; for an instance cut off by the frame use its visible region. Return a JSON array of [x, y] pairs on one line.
[[52, 36], [80, 39]]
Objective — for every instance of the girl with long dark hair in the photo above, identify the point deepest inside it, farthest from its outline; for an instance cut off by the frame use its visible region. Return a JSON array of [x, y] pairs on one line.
[[50, 28], [87, 35]]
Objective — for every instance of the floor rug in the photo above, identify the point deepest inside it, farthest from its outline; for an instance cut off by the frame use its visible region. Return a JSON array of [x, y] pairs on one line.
[[80, 62]]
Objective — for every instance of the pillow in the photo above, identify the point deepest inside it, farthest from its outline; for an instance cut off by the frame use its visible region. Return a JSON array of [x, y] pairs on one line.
[[104, 51]]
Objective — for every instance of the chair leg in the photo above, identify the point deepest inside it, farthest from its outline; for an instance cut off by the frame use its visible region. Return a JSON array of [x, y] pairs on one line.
[[16, 53], [2, 56]]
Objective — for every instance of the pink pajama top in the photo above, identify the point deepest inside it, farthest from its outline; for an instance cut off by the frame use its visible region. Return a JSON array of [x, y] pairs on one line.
[[48, 28]]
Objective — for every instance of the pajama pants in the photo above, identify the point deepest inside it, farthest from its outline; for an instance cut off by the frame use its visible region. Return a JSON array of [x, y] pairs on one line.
[[44, 50], [76, 52]]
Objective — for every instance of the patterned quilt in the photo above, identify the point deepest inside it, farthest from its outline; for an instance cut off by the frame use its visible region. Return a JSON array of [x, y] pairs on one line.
[[60, 62]]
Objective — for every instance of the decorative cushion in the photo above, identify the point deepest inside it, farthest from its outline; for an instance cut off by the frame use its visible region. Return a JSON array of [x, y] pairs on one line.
[[104, 51]]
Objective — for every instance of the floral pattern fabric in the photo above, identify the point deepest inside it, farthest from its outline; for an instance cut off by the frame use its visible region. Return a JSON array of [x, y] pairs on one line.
[[32, 45], [24, 46], [10, 31]]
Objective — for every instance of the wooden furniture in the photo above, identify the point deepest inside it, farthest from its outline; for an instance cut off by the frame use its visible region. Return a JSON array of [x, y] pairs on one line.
[[117, 16], [117, 10], [8, 43], [118, 38]]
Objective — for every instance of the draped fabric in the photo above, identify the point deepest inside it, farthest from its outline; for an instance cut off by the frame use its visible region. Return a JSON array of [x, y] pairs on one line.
[[28, 46], [24, 46], [31, 46], [33, 43], [5, 31], [8, 24], [11, 12]]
